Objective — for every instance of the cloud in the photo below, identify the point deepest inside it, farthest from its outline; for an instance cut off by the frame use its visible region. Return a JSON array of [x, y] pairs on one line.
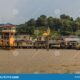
[[18, 11]]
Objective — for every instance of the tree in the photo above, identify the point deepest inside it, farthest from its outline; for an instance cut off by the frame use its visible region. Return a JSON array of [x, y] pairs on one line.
[[31, 22], [77, 19], [57, 24], [50, 22], [63, 16], [65, 25], [41, 21]]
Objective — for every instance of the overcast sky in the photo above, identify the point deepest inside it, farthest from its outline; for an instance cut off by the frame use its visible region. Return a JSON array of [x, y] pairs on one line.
[[19, 11]]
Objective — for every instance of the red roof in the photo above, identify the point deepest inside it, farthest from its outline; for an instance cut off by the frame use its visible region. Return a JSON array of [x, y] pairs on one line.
[[7, 25]]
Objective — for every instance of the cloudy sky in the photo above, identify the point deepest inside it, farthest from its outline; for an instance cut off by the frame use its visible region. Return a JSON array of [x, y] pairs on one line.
[[19, 11]]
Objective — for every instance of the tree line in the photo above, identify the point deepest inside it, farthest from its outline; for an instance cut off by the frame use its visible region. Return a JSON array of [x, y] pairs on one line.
[[64, 25]]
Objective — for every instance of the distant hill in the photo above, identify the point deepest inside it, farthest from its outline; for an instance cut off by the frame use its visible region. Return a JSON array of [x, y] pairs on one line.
[[65, 25]]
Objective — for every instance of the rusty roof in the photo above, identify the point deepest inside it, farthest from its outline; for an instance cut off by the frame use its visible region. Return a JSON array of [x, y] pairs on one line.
[[7, 25]]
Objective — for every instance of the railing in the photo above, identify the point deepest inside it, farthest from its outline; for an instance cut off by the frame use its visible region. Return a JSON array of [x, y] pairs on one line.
[[13, 31]]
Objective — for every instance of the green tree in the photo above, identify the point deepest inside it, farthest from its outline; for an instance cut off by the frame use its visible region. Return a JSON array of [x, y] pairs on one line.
[[41, 21], [31, 22], [63, 16]]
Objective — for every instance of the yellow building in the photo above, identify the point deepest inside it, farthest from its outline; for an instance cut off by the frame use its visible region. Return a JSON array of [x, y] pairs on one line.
[[8, 35]]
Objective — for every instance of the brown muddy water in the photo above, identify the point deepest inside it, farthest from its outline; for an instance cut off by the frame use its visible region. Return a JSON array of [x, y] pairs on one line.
[[39, 61]]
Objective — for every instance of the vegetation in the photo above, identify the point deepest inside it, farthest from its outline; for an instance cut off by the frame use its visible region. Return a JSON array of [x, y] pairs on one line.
[[65, 25]]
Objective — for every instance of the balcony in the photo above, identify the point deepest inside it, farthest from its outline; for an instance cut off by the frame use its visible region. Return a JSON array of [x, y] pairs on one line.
[[8, 31]]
